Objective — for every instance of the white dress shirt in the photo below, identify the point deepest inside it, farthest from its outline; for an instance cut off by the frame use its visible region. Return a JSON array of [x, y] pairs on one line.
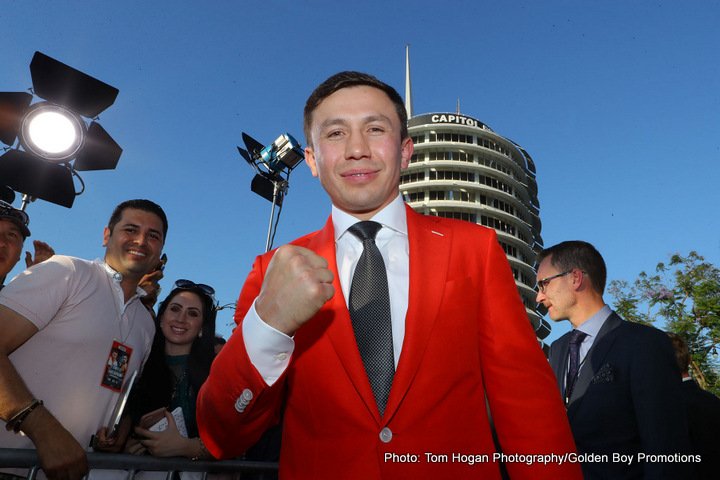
[[270, 350]]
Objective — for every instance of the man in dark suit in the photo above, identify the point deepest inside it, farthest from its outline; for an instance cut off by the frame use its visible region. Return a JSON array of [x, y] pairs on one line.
[[703, 413], [449, 315], [619, 379]]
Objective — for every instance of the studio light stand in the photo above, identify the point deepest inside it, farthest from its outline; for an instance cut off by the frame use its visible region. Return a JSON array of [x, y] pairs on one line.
[[272, 165]]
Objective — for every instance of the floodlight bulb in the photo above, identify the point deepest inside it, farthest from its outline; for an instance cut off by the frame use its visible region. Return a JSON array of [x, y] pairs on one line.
[[52, 132]]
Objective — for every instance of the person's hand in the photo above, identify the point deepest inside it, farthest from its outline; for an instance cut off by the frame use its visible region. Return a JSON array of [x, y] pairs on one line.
[[296, 285], [102, 442], [43, 251], [169, 442], [134, 447], [61, 456], [151, 418], [149, 283]]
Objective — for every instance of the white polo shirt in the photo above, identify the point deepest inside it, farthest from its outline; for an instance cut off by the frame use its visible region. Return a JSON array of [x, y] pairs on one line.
[[79, 310]]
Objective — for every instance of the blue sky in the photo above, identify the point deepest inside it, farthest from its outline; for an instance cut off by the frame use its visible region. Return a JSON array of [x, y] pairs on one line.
[[618, 103]]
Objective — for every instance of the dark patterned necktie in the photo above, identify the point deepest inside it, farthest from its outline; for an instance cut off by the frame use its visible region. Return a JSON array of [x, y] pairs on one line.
[[576, 338], [370, 313]]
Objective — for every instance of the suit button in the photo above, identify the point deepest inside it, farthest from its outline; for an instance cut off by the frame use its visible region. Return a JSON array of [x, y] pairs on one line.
[[247, 395], [385, 435], [243, 400]]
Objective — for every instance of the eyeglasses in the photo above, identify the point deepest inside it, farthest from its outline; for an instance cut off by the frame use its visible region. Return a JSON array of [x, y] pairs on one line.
[[7, 210], [542, 284], [206, 289]]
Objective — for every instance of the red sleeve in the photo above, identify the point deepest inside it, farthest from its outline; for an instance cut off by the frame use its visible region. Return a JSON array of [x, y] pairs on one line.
[[235, 405], [516, 370]]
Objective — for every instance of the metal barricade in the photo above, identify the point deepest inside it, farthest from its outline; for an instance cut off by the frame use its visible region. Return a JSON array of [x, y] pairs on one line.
[[236, 469]]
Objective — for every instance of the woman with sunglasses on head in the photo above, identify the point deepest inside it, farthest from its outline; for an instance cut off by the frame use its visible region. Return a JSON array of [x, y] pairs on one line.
[[179, 363]]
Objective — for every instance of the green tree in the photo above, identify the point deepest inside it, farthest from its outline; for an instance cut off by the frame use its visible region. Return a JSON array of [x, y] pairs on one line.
[[684, 295]]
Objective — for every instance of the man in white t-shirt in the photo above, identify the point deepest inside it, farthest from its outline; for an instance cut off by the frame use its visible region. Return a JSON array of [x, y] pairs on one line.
[[62, 321]]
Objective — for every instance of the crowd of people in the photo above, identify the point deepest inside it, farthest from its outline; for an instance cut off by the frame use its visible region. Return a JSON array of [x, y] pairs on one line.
[[66, 354], [387, 344]]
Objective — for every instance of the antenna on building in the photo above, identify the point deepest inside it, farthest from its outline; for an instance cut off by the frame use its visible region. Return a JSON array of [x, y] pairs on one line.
[[408, 87], [457, 110]]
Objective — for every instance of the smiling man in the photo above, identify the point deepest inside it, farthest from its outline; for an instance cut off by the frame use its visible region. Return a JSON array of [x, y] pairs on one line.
[[378, 338], [62, 323]]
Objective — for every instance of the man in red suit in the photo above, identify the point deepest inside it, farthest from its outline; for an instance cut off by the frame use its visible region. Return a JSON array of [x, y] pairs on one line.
[[459, 332]]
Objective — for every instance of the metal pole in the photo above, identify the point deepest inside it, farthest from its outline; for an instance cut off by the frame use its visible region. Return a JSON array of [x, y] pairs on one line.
[[276, 191], [26, 200]]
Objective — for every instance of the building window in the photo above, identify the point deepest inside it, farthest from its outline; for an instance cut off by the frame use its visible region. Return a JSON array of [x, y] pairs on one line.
[[497, 184], [412, 177], [451, 137], [451, 175], [460, 195], [509, 249], [498, 147], [415, 197], [468, 217], [505, 207], [493, 222], [456, 156], [492, 163]]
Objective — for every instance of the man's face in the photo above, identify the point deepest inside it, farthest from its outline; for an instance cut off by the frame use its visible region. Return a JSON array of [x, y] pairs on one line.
[[356, 151], [11, 243], [558, 296], [135, 244]]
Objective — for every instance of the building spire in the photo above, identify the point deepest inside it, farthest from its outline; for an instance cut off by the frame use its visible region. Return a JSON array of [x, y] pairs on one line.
[[408, 87]]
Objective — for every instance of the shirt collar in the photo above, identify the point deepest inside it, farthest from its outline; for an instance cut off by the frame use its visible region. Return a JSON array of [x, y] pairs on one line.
[[392, 216], [593, 324], [117, 277]]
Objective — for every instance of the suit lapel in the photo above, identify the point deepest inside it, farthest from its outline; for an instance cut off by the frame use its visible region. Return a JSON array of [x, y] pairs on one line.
[[337, 318], [425, 235], [558, 360], [429, 259], [595, 357]]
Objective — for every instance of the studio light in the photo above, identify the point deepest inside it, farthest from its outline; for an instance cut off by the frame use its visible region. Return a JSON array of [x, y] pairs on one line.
[[51, 140], [52, 132], [272, 165]]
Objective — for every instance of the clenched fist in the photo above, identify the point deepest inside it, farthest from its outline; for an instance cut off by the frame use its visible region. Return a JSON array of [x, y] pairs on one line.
[[296, 285]]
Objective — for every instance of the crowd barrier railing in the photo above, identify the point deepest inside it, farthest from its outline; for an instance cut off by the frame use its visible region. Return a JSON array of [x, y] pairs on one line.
[[132, 464]]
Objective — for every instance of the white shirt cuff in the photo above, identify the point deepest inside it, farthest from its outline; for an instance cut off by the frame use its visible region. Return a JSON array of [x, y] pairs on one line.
[[269, 349]]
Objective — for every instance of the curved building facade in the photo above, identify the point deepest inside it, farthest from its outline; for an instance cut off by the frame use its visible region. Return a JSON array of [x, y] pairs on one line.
[[462, 169]]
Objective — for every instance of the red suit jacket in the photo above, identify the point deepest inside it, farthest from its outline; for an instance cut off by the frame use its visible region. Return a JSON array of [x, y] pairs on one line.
[[467, 336]]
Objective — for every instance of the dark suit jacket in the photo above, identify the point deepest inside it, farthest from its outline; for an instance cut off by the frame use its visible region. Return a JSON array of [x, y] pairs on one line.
[[626, 400], [703, 410], [466, 335]]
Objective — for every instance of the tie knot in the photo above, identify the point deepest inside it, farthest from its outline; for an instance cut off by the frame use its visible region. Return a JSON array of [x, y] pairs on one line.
[[576, 336], [365, 230]]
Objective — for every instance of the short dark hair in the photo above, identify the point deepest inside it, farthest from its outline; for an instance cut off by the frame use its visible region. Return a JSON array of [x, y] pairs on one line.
[[581, 255], [352, 79], [682, 355], [138, 204]]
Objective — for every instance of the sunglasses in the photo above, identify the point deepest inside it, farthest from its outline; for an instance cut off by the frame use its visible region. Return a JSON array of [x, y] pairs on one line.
[[206, 289], [8, 210]]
